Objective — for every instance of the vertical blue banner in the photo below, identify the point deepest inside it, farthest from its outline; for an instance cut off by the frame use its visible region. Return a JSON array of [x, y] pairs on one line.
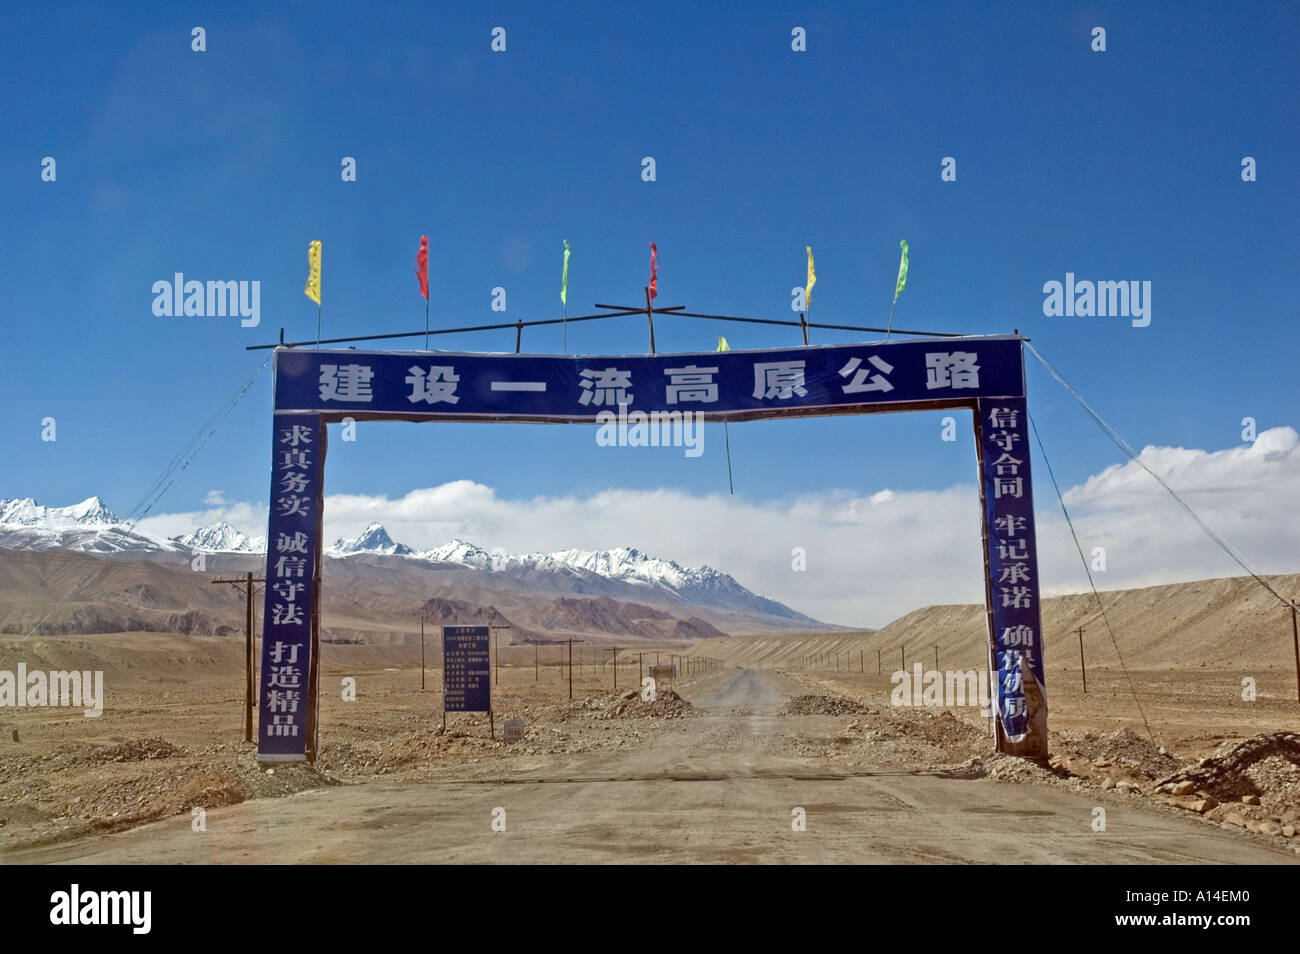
[[287, 696], [1019, 693]]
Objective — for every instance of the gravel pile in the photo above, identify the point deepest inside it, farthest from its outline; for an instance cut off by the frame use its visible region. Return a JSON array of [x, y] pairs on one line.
[[822, 705], [1122, 749], [629, 705], [1002, 768], [1264, 768]]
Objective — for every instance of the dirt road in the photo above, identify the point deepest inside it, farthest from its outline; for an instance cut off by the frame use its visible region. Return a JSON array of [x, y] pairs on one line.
[[719, 787]]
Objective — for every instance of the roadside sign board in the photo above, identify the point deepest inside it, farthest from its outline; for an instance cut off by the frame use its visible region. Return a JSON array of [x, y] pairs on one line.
[[514, 730], [466, 674]]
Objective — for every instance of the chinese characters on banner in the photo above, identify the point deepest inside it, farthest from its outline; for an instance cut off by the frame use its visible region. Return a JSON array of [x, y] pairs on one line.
[[466, 669], [287, 703], [575, 387], [1019, 696]]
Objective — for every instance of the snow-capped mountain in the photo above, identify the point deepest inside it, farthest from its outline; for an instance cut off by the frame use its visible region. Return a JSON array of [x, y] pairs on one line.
[[88, 526], [653, 576], [220, 537], [620, 573], [26, 512], [91, 527], [374, 539]]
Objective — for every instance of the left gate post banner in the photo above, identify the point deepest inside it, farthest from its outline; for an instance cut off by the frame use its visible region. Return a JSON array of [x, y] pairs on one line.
[[290, 619], [1019, 695]]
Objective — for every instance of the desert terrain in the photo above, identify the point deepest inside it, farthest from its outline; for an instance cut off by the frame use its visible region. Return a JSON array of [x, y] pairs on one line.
[[720, 768]]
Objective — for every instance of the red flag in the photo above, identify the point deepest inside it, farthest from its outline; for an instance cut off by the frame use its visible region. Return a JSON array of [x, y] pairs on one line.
[[654, 271], [422, 266]]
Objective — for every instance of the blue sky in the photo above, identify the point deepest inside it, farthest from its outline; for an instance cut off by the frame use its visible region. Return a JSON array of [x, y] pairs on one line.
[[225, 164]]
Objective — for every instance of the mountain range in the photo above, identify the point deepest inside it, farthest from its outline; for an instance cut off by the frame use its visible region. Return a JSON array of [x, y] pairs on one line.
[[462, 575]]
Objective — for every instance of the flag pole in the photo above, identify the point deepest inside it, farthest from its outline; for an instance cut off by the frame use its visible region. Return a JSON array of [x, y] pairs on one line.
[[565, 326], [318, 310], [727, 436], [891, 318], [426, 324]]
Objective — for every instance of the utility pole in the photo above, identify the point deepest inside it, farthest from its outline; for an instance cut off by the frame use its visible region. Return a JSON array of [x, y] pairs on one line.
[[571, 667], [423, 613], [1082, 668], [1295, 642], [496, 646], [247, 583]]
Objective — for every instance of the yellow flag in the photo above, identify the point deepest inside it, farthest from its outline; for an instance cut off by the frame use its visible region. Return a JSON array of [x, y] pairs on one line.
[[722, 344], [312, 290], [812, 280]]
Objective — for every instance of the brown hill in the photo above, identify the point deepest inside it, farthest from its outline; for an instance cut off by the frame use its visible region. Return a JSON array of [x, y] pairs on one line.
[[57, 593], [1216, 624]]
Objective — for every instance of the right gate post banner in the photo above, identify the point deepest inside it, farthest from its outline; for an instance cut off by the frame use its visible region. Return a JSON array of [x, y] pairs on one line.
[[1019, 696]]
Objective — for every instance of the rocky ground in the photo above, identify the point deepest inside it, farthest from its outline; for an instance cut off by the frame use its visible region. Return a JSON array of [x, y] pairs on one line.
[[159, 752]]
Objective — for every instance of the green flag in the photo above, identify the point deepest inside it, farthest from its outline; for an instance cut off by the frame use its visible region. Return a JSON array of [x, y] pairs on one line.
[[564, 281], [722, 344], [902, 271]]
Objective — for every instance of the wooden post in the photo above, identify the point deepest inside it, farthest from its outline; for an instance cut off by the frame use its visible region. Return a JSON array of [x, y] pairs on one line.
[[248, 658], [879, 665], [422, 650], [249, 701], [1082, 668], [902, 658], [535, 670], [936, 657], [1295, 641], [570, 670]]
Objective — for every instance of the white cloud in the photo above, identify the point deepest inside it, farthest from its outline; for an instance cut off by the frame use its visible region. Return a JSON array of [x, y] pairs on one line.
[[873, 555], [216, 498]]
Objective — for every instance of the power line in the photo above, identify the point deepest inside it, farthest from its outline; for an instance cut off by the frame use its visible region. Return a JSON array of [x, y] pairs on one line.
[[182, 460], [1092, 583], [1218, 538]]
